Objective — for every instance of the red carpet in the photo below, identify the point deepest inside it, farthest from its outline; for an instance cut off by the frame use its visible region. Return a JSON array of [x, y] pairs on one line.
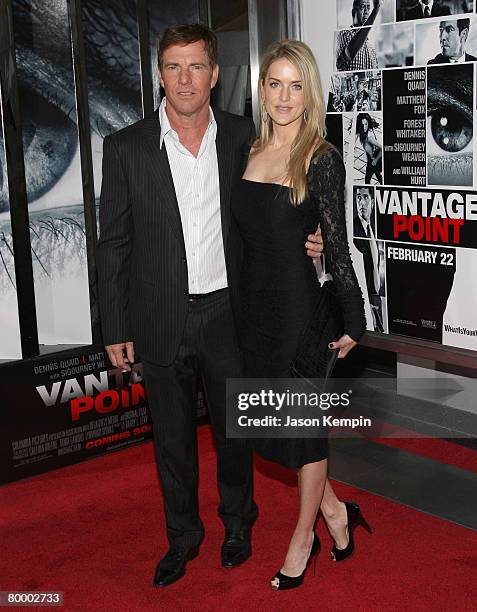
[[95, 531]]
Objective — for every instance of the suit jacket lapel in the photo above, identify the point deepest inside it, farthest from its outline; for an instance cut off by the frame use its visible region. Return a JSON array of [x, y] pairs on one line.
[[225, 160], [159, 169], [158, 164]]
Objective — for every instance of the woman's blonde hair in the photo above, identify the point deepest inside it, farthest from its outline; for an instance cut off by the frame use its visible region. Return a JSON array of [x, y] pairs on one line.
[[313, 131]]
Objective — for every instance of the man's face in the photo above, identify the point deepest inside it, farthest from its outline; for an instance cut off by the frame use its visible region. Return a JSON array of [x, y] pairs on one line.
[[362, 12], [187, 77], [364, 203], [452, 42]]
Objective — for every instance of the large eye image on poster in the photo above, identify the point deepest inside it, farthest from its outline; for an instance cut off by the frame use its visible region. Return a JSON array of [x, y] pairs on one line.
[[52, 170], [113, 71], [51, 146], [65, 296], [450, 125]]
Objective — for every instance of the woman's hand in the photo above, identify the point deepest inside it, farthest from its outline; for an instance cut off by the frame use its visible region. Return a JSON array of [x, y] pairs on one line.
[[314, 245], [345, 344]]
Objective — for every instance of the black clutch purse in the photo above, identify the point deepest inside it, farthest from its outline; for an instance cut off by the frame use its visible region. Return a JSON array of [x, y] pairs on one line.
[[314, 358]]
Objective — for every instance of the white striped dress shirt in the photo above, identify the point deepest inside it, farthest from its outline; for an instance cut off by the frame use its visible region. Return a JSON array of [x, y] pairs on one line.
[[196, 183]]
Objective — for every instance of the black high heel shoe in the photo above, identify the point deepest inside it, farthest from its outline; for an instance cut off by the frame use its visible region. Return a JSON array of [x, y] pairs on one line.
[[292, 582], [355, 518]]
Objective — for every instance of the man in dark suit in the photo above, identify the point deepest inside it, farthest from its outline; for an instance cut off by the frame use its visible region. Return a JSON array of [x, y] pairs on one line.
[[427, 8], [168, 262], [453, 37], [364, 227]]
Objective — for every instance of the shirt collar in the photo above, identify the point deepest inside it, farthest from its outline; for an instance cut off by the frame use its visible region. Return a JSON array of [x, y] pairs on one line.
[[423, 6], [166, 126]]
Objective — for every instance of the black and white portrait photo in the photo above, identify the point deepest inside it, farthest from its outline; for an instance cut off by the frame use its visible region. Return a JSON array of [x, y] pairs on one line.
[[353, 48], [364, 234], [364, 217], [359, 91], [450, 41], [450, 125], [351, 11], [423, 9], [370, 48]]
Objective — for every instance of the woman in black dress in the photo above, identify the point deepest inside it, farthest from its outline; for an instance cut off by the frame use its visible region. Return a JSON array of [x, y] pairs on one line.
[[293, 180]]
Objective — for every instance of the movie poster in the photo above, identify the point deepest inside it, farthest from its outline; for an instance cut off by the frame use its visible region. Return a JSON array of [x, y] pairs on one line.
[[67, 407], [110, 33], [403, 82], [52, 171], [10, 345]]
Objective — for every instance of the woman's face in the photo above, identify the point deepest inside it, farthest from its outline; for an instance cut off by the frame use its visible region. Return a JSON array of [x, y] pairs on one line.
[[282, 93], [364, 124]]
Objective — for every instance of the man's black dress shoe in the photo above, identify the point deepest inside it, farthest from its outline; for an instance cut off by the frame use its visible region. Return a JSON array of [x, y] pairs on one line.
[[172, 566], [236, 547]]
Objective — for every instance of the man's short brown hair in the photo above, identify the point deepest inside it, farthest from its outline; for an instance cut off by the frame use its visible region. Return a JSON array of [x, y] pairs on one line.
[[185, 35]]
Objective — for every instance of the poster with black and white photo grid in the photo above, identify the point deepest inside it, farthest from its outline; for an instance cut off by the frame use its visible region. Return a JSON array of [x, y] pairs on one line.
[[404, 90]]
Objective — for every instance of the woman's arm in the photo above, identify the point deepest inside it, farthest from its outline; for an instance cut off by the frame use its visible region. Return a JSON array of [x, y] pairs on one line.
[[326, 182]]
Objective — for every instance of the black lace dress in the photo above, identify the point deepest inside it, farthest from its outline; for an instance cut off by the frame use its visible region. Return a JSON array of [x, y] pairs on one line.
[[279, 283]]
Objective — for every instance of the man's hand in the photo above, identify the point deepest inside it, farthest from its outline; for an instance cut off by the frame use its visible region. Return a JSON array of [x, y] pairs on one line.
[[117, 356], [345, 344], [314, 246]]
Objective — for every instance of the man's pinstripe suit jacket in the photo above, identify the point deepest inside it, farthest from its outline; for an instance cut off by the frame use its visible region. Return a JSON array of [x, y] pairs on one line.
[[141, 259]]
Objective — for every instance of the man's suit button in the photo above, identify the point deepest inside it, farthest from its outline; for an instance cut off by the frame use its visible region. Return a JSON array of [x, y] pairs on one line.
[[184, 260], [186, 292]]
